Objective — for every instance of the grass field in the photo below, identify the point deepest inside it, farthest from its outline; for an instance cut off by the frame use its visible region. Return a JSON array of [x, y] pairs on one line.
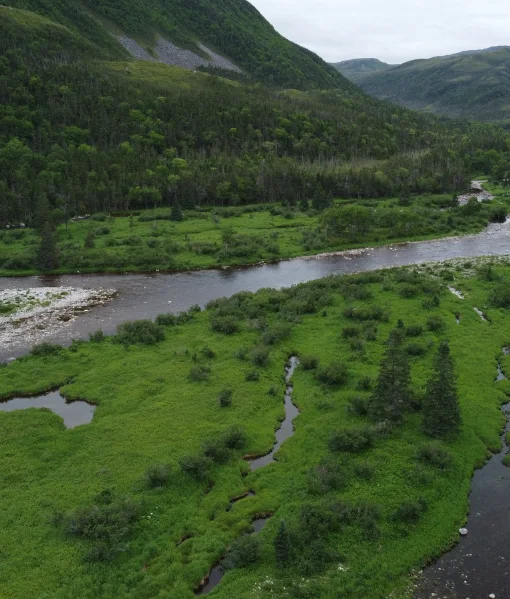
[[231, 236], [153, 410]]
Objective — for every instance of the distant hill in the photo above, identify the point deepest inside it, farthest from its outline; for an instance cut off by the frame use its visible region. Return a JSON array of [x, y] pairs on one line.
[[230, 34], [474, 84], [358, 68]]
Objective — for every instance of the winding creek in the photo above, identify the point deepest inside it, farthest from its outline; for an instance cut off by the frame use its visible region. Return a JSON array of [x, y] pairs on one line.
[[480, 564]]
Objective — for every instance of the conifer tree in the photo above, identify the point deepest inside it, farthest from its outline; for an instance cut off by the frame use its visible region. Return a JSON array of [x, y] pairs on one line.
[[176, 214], [441, 410], [282, 545], [47, 254], [392, 393]]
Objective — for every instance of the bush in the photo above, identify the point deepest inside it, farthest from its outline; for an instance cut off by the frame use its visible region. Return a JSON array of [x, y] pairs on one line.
[[358, 405], [365, 313], [46, 349], [198, 374], [408, 291], [352, 439], [104, 524], [97, 336], [435, 323], [500, 296], [252, 376], [225, 398], [275, 334], [157, 476], [364, 383], [334, 374], [414, 330], [364, 470], [207, 352], [498, 214], [431, 303], [140, 331], [166, 320], [234, 437], [434, 455], [196, 466], [228, 325], [244, 551], [241, 353], [348, 332], [216, 450], [415, 349], [309, 362], [259, 356], [409, 512], [506, 460], [328, 475]]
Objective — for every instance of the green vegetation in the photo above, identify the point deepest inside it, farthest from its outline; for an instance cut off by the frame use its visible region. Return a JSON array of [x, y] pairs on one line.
[[150, 239], [358, 68], [473, 85], [136, 504]]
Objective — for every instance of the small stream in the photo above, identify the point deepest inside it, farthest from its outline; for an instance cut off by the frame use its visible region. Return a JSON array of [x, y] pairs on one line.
[[285, 431], [73, 413], [478, 567]]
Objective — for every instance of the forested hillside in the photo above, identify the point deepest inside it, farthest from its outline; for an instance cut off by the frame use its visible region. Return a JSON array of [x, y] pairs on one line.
[[471, 85], [232, 27], [359, 68]]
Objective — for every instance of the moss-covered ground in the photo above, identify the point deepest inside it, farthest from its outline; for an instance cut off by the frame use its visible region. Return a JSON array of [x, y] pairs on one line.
[[150, 412]]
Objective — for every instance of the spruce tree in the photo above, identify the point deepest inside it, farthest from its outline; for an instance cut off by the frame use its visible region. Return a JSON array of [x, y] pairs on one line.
[[282, 546], [47, 254], [176, 214], [441, 410], [392, 393]]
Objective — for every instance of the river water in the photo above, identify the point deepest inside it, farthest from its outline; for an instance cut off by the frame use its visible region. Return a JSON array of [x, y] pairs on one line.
[[147, 295]]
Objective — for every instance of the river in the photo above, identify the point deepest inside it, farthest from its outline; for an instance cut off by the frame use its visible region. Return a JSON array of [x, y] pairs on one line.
[[147, 295]]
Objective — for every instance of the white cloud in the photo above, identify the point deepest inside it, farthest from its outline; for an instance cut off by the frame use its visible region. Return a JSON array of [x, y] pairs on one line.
[[394, 31]]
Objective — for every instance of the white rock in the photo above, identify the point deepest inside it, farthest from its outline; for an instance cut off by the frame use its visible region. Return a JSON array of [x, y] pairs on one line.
[[463, 531]]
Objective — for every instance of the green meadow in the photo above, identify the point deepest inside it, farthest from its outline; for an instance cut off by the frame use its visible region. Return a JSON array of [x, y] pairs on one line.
[[149, 240], [135, 504]]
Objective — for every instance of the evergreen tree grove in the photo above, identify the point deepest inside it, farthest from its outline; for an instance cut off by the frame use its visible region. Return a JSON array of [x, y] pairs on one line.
[[392, 393], [441, 410], [47, 254]]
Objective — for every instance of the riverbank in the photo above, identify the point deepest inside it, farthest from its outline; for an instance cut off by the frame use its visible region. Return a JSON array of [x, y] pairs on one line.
[[158, 403], [233, 237]]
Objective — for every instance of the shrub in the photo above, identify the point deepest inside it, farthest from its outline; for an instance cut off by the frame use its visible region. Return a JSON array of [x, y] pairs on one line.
[[104, 524], [367, 515], [434, 455], [275, 334], [498, 214], [500, 296], [364, 470], [328, 475], [140, 331], [348, 332], [259, 356], [244, 551], [225, 398], [252, 376], [506, 460], [198, 374], [166, 320], [352, 439], [414, 330], [157, 476], [367, 313], [46, 349], [415, 349], [408, 291], [435, 323], [358, 405], [334, 374], [309, 362], [228, 325], [364, 383], [97, 336], [216, 450], [196, 466], [235, 437], [208, 352], [409, 511]]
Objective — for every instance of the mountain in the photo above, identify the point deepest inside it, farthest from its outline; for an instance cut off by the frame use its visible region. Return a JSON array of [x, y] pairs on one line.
[[229, 34], [473, 84], [358, 68]]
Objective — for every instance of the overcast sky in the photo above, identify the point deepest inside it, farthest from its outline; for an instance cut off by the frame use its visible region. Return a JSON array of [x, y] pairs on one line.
[[392, 30]]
